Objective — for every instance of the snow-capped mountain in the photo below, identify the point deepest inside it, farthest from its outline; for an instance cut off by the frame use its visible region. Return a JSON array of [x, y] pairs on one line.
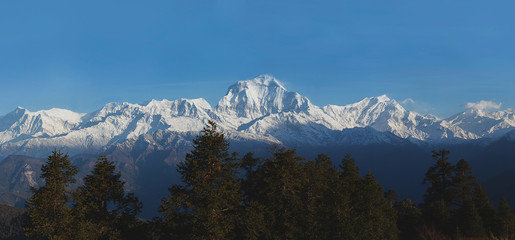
[[484, 124], [260, 109], [387, 115], [260, 96], [21, 123]]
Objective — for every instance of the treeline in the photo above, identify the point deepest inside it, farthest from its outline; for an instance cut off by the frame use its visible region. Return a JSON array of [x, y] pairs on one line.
[[10, 223], [99, 209], [286, 196]]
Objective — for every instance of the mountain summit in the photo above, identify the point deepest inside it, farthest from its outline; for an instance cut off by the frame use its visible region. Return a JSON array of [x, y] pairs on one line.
[[260, 109], [260, 96]]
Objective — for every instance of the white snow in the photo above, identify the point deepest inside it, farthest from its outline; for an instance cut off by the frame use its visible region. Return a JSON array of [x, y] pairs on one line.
[[260, 108]]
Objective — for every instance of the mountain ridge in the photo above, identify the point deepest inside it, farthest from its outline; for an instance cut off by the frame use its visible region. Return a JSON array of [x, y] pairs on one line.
[[259, 109]]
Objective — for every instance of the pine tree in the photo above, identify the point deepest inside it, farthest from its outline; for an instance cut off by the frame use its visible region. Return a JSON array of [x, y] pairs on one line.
[[250, 165], [11, 222], [103, 208], [48, 214], [362, 212], [409, 219], [463, 182], [485, 209], [205, 206], [280, 188], [348, 186], [373, 214], [440, 194], [251, 223], [471, 205], [349, 173], [505, 226], [455, 203], [318, 194], [469, 220]]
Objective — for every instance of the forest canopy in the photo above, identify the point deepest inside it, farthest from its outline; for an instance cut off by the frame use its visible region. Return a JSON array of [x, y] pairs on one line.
[[285, 196]]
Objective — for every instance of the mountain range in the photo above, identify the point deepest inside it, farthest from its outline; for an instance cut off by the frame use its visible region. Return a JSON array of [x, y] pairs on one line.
[[260, 109], [147, 140]]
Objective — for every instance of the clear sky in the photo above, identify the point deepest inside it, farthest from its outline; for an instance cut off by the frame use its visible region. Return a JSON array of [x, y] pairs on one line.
[[80, 55]]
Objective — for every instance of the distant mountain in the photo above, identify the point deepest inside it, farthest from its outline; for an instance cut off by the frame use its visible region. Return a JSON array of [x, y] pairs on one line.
[[481, 124], [147, 140], [259, 109], [17, 175]]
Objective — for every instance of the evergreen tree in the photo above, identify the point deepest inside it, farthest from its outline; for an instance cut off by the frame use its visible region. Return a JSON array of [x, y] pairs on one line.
[[206, 206], [251, 222], [466, 217], [373, 214], [409, 219], [48, 214], [439, 197], [464, 183], [455, 203], [349, 173], [11, 223], [362, 211], [468, 220], [250, 165], [318, 195], [391, 196], [348, 188], [280, 186], [485, 209], [505, 226], [102, 207]]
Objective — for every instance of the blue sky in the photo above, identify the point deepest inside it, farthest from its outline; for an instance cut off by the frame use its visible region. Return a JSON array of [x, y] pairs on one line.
[[79, 56]]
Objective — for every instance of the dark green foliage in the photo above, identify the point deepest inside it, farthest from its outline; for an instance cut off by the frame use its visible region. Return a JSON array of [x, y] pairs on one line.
[[464, 183], [250, 164], [349, 174], [466, 216], [439, 197], [366, 214], [48, 214], [206, 206], [101, 207], [455, 204], [505, 224], [319, 196], [283, 197], [375, 215], [349, 191], [251, 222], [279, 182], [391, 196], [485, 209], [409, 219], [468, 220], [11, 223], [312, 200]]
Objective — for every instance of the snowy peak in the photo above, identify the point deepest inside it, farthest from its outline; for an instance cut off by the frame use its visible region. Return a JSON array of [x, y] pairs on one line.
[[382, 98], [257, 109], [366, 112], [260, 96], [180, 107], [484, 123], [387, 115], [45, 123]]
